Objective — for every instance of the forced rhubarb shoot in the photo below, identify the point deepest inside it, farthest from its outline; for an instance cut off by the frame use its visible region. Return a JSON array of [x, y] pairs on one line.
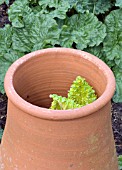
[[80, 94]]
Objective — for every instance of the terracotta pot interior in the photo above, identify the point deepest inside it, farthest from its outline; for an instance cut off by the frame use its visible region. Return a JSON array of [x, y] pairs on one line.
[[53, 73]]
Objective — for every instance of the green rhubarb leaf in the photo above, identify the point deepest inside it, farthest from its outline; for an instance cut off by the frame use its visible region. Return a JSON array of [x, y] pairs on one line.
[[87, 31], [17, 11], [6, 60], [40, 31], [2, 1], [7, 54], [120, 162], [118, 3], [1, 134], [3, 68], [7, 2], [118, 93], [5, 38], [56, 8], [81, 92], [5, 44], [62, 103], [96, 51], [94, 6], [33, 2], [113, 40]]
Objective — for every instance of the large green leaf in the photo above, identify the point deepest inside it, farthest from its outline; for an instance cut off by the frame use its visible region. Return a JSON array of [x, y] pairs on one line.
[[2, 1], [113, 40], [120, 162], [39, 32], [56, 8], [17, 11], [84, 30], [119, 3], [96, 50], [5, 38], [94, 6], [1, 134], [7, 54], [118, 75], [6, 59], [5, 44]]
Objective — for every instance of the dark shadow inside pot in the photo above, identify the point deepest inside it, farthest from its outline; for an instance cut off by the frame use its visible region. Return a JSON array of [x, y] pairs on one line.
[[53, 73]]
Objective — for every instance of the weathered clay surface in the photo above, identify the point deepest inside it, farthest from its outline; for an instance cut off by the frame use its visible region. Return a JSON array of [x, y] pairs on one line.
[[36, 138]]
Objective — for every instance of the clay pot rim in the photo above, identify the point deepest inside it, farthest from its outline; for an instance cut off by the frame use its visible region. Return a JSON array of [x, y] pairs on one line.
[[59, 114]]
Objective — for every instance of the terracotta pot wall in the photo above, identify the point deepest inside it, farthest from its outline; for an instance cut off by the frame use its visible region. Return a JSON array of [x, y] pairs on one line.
[[36, 138], [53, 73]]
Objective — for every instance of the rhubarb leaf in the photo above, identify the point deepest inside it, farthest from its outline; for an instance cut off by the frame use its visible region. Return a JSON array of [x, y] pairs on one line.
[[39, 32], [87, 31], [5, 38], [113, 40], [62, 103], [6, 59], [17, 11], [118, 3], [94, 6], [56, 8], [118, 94], [81, 92]]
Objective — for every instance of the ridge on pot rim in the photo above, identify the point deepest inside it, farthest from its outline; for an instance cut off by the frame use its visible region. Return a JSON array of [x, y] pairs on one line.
[[59, 114]]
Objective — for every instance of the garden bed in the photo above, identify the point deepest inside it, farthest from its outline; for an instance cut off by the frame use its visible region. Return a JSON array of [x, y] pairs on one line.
[[116, 107]]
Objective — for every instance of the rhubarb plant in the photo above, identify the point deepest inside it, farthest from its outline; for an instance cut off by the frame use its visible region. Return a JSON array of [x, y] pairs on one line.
[[80, 94], [90, 25]]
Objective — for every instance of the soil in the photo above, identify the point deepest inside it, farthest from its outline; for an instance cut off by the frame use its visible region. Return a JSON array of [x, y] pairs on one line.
[[3, 15], [116, 107]]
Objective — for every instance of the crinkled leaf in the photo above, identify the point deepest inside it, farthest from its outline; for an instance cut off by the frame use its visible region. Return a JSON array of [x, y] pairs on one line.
[[119, 3], [96, 50], [81, 92], [2, 1], [118, 94], [39, 32], [17, 11], [3, 68], [113, 40], [5, 61], [120, 162], [6, 1], [72, 3], [33, 2], [94, 6], [5, 38], [83, 29], [12, 55], [62, 103], [5, 44], [56, 8], [1, 134]]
